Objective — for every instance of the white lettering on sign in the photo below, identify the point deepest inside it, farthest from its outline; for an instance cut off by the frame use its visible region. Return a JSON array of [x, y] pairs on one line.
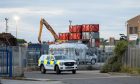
[[133, 37]]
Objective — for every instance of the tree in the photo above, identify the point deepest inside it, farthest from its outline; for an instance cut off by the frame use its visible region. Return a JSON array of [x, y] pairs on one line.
[[21, 41], [114, 64]]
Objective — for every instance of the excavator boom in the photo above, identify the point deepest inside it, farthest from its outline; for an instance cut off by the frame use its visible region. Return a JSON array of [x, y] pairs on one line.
[[43, 21]]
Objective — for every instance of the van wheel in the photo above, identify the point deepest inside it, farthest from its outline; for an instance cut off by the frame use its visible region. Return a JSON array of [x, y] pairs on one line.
[[43, 70], [93, 61], [57, 70], [74, 71]]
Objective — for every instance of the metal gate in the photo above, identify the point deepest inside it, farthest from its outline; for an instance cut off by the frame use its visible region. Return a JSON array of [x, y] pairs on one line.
[[5, 62]]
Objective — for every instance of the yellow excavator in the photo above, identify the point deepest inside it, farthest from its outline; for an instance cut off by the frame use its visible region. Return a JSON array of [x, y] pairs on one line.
[[43, 21]]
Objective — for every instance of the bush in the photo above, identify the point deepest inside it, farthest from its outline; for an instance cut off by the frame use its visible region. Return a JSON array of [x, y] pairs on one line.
[[106, 68], [114, 64], [112, 60], [130, 70], [138, 70], [116, 67], [126, 69]]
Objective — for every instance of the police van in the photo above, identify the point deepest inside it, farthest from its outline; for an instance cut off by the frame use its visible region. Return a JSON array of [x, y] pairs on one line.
[[56, 63]]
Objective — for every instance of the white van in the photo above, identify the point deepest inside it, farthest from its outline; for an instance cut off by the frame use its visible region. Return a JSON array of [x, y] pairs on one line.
[[75, 51]]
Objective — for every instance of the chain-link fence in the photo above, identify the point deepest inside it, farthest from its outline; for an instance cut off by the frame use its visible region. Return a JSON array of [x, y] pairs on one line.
[[104, 55], [131, 57], [34, 51], [33, 55]]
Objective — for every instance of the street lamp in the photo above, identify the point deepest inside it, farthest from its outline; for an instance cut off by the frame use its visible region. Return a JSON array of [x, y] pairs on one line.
[[16, 18]]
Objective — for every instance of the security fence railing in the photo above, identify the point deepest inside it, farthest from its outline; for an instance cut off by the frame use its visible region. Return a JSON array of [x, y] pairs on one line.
[[5, 62], [32, 58], [12, 61], [34, 51]]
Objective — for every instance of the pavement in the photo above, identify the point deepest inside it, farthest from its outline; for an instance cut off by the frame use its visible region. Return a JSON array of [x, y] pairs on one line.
[[29, 82], [82, 77]]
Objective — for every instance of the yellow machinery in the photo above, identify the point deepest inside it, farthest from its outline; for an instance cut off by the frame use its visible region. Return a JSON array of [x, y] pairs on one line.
[[43, 21]]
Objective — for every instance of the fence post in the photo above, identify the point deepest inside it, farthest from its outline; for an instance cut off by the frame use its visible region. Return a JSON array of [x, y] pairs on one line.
[[136, 56], [130, 56], [0, 81], [7, 61], [10, 63]]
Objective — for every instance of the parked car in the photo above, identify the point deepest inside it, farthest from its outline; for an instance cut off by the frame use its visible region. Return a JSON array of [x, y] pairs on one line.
[[89, 58]]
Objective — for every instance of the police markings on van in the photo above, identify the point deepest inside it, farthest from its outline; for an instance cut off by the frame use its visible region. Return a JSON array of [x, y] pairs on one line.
[[57, 63]]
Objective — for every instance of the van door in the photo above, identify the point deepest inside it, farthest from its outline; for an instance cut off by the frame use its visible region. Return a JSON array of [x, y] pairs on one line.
[[52, 62], [48, 62]]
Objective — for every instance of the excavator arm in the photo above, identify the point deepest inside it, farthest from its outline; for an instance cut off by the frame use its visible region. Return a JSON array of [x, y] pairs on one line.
[[43, 21]]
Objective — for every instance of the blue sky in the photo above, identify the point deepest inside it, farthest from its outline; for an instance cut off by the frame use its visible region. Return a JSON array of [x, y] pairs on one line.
[[110, 14]]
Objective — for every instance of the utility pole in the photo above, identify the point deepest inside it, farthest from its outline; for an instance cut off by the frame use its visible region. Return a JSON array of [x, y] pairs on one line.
[[6, 30]]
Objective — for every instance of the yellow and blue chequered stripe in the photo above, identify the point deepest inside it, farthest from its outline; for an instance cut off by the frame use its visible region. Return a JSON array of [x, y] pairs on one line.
[[51, 62]]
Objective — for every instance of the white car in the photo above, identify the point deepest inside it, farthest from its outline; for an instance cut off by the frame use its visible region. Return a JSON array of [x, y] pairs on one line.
[[56, 63], [89, 58]]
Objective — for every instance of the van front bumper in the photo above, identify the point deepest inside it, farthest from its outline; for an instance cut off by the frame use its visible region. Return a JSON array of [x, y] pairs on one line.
[[68, 68]]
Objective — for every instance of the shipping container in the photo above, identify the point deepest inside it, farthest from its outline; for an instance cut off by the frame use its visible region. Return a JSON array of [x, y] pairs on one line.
[[90, 27], [74, 36], [97, 42], [85, 35], [92, 43], [49, 43], [86, 28], [64, 36], [94, 35], [94, 27], [75, 28]]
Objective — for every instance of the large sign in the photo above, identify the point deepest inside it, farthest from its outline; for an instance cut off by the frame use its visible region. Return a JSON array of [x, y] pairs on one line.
[[133, 37]]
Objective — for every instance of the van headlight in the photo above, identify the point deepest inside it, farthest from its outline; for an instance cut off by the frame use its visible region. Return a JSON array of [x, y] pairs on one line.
[[61, 63]]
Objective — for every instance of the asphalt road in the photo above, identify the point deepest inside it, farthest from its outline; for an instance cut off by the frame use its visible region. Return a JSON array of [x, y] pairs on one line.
[[65, 75], [82, 77], [86, 77]]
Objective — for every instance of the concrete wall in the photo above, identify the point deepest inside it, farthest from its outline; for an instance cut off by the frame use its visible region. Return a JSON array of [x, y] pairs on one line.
[[19, 60]]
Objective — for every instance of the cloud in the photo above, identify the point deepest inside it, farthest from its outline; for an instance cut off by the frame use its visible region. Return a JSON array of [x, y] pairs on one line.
[[110, 14], [31, 11]]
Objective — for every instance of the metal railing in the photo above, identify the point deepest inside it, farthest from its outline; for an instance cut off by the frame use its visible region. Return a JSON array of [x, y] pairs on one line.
[[5, 62]]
